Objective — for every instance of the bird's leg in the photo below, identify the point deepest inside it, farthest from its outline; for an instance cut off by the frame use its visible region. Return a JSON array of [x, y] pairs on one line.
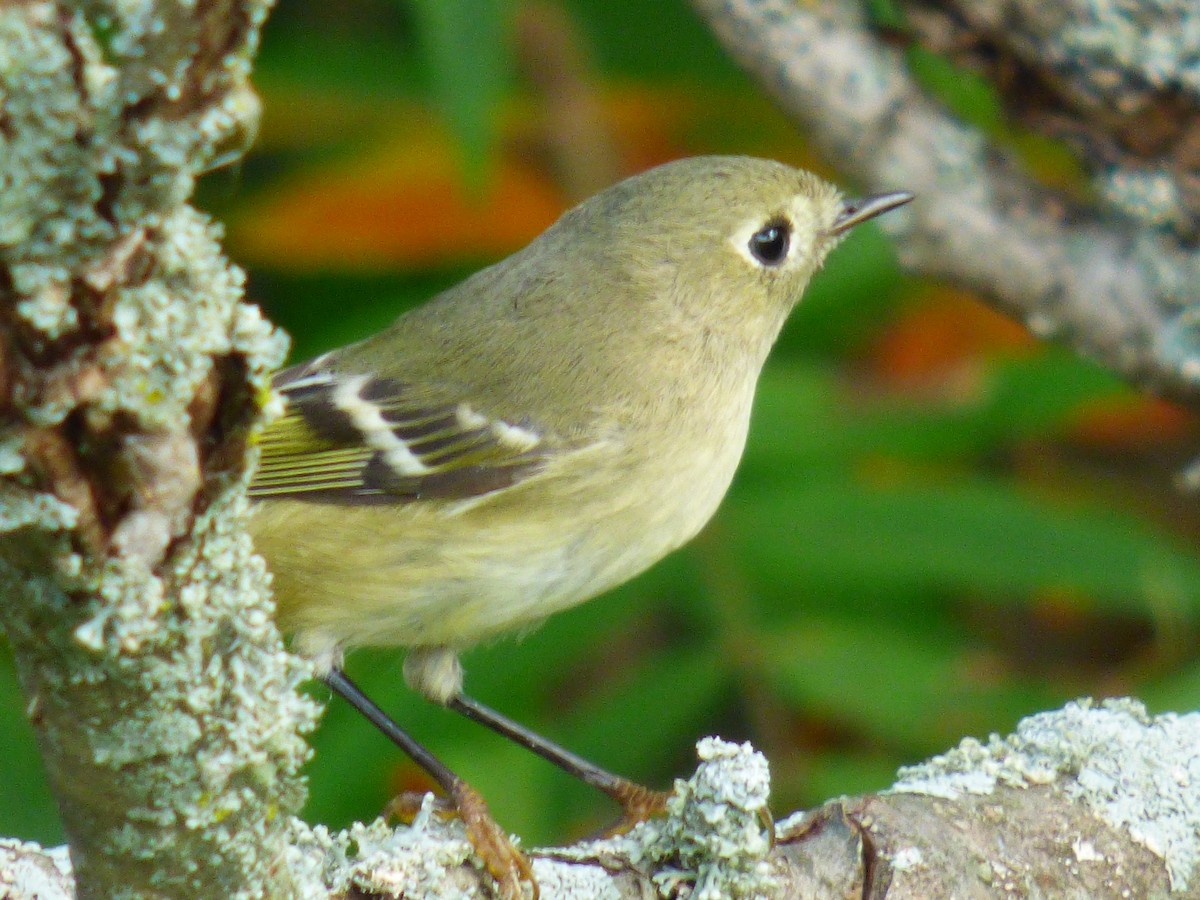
[[505, 863], [637, 802]]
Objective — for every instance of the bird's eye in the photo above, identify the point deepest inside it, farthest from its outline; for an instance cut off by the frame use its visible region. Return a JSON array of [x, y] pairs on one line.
[[769, 245]]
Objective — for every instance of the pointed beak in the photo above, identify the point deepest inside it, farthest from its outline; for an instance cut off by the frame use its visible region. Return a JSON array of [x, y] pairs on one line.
[[855, 212]]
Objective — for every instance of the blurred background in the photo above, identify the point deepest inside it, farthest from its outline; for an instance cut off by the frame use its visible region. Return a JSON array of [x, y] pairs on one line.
[[940, 525]]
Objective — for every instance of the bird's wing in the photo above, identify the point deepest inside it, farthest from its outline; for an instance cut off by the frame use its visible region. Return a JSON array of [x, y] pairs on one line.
[[355, 439]]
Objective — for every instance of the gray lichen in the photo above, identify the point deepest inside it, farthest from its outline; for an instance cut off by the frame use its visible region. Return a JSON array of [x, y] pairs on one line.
[[172, 327], [713, 842], [1151, 197], [23, 508], [408, 861], [561, 880], [711, 845], [1136, 772], [1154, 41], [49, 181], [178, 788], [26, 870]]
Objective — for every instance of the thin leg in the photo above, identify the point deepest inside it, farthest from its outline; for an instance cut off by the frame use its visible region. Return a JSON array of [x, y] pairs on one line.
[[341, 685], [638, 802], [504, 861]]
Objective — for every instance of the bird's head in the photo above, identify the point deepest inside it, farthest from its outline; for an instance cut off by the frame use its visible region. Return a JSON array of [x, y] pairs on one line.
[[729, 243]]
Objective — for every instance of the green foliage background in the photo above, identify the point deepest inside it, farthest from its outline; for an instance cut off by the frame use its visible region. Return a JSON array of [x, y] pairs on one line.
[[894, 567]]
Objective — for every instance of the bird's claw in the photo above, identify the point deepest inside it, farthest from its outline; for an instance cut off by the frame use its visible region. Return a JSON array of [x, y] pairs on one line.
[[509, 868], [507, 865], [638, 804]]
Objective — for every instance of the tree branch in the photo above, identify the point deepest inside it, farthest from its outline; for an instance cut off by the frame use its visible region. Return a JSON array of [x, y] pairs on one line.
[[1087, 801]]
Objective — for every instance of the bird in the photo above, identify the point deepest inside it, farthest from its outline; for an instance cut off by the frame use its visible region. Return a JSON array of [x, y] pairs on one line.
[[534, 436]]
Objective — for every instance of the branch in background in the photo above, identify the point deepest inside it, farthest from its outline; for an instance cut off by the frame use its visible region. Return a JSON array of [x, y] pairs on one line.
[[1119, 289], [130, 378], [1120, 83], [573, 137]]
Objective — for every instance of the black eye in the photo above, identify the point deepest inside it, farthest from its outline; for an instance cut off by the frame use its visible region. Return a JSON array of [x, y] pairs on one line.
[[769, 245]]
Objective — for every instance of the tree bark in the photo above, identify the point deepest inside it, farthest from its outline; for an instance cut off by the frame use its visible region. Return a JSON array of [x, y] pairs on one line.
[[1085, 802]]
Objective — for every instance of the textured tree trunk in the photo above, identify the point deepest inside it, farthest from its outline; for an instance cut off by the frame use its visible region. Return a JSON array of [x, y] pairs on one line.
[[130, 371]]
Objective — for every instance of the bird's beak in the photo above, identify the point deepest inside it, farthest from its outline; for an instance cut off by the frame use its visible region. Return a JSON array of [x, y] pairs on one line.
[[855, 212]]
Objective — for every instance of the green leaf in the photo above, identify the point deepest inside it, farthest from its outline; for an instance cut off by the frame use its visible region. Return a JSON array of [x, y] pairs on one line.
[[969, 96], [653, 42], [350, 770], [860, 287], [516, 673], [974, 535], [652, 715], [327, 49], [802, 418], [465, 45], [327, 310], [353, 765], [892, 684], [1177, 690], [27, 809], [885, 14], [642, 726]]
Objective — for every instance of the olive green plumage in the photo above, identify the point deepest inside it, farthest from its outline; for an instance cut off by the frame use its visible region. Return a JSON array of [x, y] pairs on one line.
[[544, 430]]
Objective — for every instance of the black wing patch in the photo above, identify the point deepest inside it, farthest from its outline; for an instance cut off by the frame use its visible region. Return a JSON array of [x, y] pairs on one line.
[[356, 439]]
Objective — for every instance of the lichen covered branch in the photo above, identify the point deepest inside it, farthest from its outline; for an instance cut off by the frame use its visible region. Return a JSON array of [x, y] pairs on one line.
[[1086, 801]]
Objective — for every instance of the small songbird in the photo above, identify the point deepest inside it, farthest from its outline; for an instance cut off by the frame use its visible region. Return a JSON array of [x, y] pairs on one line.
[[536, 435]]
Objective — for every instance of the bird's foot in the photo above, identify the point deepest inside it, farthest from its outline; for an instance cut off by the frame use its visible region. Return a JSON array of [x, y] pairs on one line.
[[509, 867], [638, 804]]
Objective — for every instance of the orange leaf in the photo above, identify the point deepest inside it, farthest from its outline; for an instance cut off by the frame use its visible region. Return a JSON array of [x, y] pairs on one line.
[[400, 207], [1132, 422], [941, 335]]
